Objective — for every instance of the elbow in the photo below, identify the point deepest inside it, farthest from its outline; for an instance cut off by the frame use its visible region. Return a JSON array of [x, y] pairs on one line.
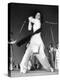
[[30, 18]]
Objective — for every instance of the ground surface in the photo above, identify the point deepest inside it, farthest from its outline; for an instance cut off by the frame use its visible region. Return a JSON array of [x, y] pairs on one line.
[[32, 73]]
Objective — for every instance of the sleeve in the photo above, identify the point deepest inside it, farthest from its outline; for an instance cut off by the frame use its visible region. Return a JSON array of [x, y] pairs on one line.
[[31, 19], [29, 26]]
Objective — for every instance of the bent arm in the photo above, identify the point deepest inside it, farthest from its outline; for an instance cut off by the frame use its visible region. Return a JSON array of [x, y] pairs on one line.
[[29, 26], [31, 19]]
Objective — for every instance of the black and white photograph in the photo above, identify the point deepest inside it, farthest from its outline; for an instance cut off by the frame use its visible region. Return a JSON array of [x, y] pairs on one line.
[[32, 39]]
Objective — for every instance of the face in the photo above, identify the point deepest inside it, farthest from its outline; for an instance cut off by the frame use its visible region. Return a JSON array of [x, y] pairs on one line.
[[37, 16]]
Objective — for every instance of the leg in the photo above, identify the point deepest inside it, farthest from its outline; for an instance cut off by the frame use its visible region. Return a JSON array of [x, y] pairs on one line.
[[43, 59], [24, 62]]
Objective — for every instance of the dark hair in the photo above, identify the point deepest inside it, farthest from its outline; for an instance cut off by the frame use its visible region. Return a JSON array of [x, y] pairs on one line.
[[38, 11]]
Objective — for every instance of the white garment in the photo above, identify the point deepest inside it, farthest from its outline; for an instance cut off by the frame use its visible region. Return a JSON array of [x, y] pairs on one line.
[[36, 26], [36, 39], [29, 65], [36, 46]]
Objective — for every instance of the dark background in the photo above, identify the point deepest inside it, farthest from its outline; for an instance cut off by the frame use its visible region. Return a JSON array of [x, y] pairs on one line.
[[18, 13]]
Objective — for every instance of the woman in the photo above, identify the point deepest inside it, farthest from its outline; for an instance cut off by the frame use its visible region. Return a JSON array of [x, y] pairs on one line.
[[36, 46]]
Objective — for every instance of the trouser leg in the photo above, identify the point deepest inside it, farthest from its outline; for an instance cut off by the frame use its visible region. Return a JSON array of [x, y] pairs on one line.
[[24, 62], [43, 59]]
